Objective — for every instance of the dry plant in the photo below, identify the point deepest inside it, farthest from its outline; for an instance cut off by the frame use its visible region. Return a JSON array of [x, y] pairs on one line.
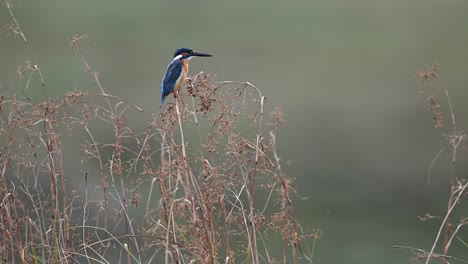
[[456, 139], [206, 171]]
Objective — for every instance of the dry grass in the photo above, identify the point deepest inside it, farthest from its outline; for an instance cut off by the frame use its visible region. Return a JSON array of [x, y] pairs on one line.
[[441, 109], [215, 195], [205, 170]]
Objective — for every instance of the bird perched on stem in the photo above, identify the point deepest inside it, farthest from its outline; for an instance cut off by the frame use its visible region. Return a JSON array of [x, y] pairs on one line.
[[176, 71]]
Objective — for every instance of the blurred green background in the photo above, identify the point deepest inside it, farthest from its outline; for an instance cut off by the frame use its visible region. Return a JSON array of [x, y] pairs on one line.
[[344, 72]]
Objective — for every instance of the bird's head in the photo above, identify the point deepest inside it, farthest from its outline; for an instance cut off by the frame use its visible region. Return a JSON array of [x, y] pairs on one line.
[[185, 53]]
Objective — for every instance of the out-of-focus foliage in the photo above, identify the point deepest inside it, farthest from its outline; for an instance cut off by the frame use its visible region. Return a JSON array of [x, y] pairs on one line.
[[344, 72]]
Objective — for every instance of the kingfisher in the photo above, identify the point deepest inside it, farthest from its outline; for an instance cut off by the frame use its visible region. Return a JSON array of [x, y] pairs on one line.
[[177, 70]]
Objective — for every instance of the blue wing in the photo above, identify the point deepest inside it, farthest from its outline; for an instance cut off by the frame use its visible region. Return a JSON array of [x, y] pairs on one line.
[[173, 72]]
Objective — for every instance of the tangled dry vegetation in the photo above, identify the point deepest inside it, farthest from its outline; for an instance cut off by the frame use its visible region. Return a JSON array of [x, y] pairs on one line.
[[441, 108], [202, 183]]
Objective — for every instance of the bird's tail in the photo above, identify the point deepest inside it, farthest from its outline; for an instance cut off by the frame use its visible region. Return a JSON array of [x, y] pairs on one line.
[[162, 99]]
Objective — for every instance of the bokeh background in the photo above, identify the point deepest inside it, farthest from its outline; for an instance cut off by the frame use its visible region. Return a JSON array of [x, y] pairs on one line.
[[344, 72]]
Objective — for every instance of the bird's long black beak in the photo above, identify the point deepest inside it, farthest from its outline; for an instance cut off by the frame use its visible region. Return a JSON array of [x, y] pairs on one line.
[[199, 54]]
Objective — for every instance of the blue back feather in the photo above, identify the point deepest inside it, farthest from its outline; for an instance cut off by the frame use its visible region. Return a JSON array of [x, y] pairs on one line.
[[173, 72]]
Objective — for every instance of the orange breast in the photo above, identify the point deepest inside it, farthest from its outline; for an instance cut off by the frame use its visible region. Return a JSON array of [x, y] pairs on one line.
[[182, 77]]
